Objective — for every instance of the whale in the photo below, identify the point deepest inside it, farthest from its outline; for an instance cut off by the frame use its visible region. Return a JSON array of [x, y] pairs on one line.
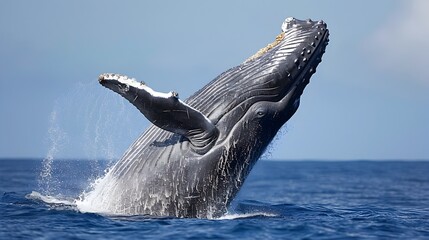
[[196, 154]]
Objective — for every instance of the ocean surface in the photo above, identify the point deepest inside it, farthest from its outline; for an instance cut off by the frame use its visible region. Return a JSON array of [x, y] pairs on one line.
[[279, 200]]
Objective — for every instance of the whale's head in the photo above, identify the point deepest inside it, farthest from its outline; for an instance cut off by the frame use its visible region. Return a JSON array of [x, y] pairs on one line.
[[260, 95]]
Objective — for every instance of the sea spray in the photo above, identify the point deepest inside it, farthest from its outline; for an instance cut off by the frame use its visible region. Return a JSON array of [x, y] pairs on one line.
[[86, 123], [47, 183], [107, 125]]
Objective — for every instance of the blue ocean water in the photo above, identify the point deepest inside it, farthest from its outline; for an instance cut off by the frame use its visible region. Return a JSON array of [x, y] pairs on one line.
[[279, 200]]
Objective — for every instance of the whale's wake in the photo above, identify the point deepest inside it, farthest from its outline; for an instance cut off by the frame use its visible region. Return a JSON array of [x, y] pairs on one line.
[[51, 200], [79, 205]]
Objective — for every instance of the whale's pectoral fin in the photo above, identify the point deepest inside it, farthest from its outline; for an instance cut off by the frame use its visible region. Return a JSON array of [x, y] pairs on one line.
[[165, 110]]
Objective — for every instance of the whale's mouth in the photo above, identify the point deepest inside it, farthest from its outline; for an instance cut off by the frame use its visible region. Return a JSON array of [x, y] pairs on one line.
[[310, 55]]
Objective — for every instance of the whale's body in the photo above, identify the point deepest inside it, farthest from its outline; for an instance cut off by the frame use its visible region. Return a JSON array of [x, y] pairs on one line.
[[195, 157]]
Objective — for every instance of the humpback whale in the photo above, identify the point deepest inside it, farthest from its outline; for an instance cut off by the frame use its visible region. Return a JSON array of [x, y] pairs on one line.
[[196, 154]]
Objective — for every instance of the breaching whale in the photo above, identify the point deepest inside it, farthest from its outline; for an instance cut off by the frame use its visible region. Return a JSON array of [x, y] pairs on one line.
[[196, 155]]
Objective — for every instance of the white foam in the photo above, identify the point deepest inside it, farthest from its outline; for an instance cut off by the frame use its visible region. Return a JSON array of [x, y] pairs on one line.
[[90, 202], [245, 215], [50, 199]]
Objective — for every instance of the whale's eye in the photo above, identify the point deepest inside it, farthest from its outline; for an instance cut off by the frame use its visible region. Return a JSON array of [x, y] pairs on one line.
[[260, 112]]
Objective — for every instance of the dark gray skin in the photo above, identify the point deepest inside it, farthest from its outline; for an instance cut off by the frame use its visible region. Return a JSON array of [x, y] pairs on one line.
[[196, 156]]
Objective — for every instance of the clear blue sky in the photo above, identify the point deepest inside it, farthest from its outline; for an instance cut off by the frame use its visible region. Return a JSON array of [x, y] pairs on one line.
[[368, 100]]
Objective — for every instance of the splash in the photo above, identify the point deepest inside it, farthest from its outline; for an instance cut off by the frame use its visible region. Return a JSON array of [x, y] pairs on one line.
[[87, 201], [47, 183], [85, 123]]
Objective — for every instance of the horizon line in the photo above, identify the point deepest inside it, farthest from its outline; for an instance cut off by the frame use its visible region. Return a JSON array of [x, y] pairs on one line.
[[261, 159]]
